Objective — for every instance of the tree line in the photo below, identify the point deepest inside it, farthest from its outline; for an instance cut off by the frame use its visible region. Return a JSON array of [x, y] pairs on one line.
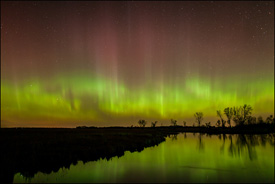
[[241, 116]]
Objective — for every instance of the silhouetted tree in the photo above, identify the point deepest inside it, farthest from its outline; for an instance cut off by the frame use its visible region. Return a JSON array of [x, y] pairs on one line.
[[236, 115], [142, 123], [229, 114], [184, 123], [218, 123], [269, 119], [174, 122], [247, 110], [254, 120], [260, 120], [219, 114], [241, 114], [223, 123], [251, 120], [199, 117], [208, 124], [153, 124]]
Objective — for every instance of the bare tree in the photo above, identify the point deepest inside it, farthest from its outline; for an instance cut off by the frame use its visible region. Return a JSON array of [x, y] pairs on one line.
[[229, 114], [218, 123], [247, 111], [142, 123], [241, 114], [153, 124], [208, 125], [260, 120], [184, 123], [199, 117], [269, 119], [174, 122], [219, 114], [251, 120]]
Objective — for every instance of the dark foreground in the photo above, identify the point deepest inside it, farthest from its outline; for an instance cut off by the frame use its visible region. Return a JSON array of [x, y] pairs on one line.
[[29, 150]]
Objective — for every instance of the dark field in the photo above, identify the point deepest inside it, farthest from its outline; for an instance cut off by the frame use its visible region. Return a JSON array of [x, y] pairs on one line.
[[29, 150]]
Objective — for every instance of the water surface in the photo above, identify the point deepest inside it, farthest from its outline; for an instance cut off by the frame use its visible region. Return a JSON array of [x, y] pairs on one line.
[[184, 157]]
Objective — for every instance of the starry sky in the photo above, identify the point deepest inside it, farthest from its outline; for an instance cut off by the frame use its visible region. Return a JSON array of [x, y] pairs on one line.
[[66, 64]]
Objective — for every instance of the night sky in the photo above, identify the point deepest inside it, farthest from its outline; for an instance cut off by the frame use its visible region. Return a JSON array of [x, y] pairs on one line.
[[65, 64]]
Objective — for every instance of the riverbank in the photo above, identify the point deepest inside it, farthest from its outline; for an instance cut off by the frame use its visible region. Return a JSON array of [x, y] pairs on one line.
[[29, 150]]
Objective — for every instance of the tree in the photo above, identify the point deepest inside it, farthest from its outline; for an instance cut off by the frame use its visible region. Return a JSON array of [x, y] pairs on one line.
[[229, 114], [174, 122], [269, 119], [241, 114], [219, 114], [208, 124], [199, 117], [218, 123], [142, 123], [184, 123], [246, 112], [260, 120], [153, 124], [236, 115], [251, 120]]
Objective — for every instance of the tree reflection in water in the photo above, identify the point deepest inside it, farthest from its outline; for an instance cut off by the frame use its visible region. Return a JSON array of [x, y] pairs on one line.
[[248, 143], [174, 137], [240, 143], [185, 136], [223, 137], [201, 144]]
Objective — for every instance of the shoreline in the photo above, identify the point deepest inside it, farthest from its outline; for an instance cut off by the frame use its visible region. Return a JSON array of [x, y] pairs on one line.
[[247, 129], [29, 150]]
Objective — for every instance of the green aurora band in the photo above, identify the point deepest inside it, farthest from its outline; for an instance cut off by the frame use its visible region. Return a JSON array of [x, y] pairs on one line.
[[78, 98]]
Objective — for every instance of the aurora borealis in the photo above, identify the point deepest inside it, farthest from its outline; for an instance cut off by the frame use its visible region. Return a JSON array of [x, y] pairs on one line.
[[65, 64]]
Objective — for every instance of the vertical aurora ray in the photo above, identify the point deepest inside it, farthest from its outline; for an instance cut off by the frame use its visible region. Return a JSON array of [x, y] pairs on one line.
[[113, 63]]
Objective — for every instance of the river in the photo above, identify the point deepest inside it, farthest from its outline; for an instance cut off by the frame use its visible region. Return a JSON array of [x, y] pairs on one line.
[[186, 157]]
